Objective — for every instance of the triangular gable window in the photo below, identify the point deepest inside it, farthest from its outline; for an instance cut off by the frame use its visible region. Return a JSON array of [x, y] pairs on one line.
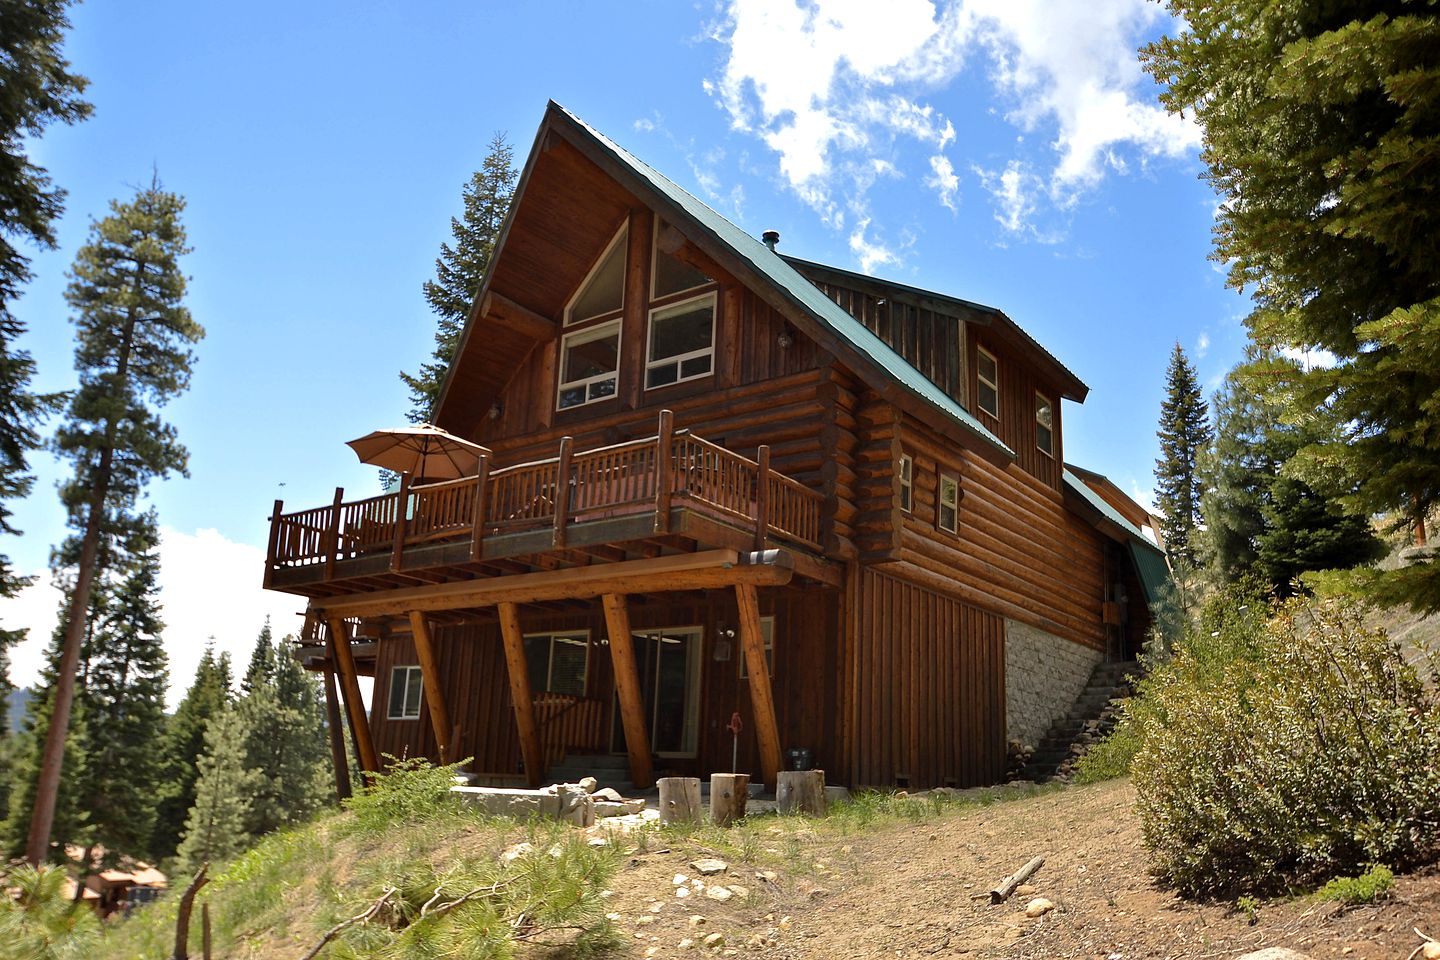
[[671, 275], [603, 291]]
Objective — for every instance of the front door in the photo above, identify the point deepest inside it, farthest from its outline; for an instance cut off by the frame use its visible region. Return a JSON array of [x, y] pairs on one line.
[[669, 664]]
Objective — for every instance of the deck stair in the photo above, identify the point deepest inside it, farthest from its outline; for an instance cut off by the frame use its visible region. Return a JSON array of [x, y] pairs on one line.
[[1093, 715]]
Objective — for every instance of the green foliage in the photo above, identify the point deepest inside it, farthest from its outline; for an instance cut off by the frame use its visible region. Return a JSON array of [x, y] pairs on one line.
[[181, 748], [215, 829], [460, 270], [1111, 757], [409, 791], [42, 922], [70, 818], [1320, 134], [1372, 885], [1184, 432], [1277, 753]]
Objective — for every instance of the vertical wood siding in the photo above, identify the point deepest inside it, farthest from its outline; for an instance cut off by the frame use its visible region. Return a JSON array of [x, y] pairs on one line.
[[930, 688]]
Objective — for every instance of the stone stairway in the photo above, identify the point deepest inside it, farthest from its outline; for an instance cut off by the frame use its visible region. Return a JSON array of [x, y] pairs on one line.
[[1090, 718], [610, 770]]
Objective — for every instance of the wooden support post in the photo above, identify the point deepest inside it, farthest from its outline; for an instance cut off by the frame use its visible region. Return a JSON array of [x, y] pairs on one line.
[[477, 524], [679, 799], [520, 693], [350, 689], [332, 534], [801, 791], [762, 699], [762, 496], [273, 547], [402, 502], [664, 470], [337, 734], [729, 794], [430, 676], [627, 688], [562, 490]]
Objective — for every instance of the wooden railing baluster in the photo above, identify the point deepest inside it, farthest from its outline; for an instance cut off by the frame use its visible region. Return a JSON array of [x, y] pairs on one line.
[[401, 502], [562, 491]]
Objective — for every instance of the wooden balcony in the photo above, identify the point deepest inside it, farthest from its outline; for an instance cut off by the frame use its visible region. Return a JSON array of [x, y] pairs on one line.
[[669, 489]]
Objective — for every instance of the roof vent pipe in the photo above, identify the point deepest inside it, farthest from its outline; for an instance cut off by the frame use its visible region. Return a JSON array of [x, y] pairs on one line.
[[770, 238]]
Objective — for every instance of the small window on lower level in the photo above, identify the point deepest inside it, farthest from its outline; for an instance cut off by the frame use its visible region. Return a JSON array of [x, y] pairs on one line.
[[405, 687], [767, 636], [947, 504], [907, 484], [1044, 426]]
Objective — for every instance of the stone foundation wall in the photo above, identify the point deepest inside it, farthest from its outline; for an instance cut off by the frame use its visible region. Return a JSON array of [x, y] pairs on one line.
[[1044, 675]]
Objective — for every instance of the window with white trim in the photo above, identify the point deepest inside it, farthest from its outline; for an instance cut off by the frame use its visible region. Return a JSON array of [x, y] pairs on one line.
[[987, 372], [589, 365], [669, 275], [404, 700], [947, 504], [767, 637], [682, 342], [558, 662], [907, 481], [1044, 426], [602, 293]]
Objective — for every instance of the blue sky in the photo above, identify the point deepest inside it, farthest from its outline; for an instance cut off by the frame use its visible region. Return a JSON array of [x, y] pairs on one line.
[[1009, 152]]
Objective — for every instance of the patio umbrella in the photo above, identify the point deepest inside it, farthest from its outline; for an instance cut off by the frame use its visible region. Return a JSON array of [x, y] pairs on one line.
[[423, 451]]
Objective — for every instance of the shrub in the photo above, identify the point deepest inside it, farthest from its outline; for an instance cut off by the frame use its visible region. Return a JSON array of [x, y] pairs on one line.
[[1366, 888], [410, 791], [1277, 757], [42, 922]]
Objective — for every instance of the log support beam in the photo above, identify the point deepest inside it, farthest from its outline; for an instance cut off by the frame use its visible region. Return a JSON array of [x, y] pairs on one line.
[[350, 690], [434, 694], [519, 672], [762, 698], [627, 688], [337, 733]]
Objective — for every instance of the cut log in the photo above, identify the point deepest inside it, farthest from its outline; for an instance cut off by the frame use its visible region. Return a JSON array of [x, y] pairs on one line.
[[801, 791], [679, 799], [729, 793], [1007, 886]]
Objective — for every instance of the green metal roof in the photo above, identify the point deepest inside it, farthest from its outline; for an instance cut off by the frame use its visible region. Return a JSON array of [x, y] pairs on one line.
[[785, 277], [1149, 559]]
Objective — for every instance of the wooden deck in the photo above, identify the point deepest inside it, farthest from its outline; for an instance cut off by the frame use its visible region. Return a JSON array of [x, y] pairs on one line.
[[673, 490]]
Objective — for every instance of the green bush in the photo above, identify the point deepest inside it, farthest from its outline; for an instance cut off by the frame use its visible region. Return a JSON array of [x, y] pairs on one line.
[[41, 922], [1274, 755], [1110, 758], [409, 791], [1370, 886]]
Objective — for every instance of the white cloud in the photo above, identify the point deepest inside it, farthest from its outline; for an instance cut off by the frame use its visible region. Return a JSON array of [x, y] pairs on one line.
[[1202, 345], [1313, 359], [871, 254], [945, 182], [1013, 190], [209, 589], [834, 82]]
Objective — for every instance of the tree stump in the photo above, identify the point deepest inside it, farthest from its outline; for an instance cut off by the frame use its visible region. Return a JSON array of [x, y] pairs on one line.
[[801, 791], [679, 799], [729, 793]]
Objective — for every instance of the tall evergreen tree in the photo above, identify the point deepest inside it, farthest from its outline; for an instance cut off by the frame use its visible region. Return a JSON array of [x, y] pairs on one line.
[[260, 671], [1320, 126], [36, 89], [460, 269], [125, 677], [1184, 432], [182, 747], [133, 352], [216, 827]]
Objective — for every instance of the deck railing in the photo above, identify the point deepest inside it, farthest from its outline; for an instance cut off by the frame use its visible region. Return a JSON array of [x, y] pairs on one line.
[[638, 476], [567, 722]]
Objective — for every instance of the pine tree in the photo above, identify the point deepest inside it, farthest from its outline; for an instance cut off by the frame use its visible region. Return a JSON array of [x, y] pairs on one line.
[[1319, 123], [460, 269], [36, 89], [216, 828], [133, 352], [125, 677], [182, 747], [260, 671], [1184, 432]]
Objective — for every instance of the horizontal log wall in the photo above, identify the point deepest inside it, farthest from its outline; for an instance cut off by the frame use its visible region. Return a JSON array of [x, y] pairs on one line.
[[929, 686], [1018, 550], [1016, 423]]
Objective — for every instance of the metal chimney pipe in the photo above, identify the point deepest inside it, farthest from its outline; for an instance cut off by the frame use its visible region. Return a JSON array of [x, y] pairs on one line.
[[770, 238]]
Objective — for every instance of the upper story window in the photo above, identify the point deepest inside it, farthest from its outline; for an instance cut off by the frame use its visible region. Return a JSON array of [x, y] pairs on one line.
[[670, 275], [590, 352], [1044, 426], [906, 470], [682, 342], [558, 662], [987, 371], [947, 504], [404, 700]]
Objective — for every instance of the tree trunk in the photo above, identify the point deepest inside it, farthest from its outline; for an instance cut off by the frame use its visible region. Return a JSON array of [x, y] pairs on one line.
[[679, 799], [801, 791], [729, 793], [182, 916]]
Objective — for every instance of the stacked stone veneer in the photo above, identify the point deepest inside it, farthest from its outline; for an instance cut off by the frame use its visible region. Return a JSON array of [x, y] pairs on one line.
[[1044, 675]]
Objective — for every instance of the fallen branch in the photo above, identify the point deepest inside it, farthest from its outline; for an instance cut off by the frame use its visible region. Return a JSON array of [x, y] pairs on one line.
[[344, 925], [182, 917], [1007, 886], [1425, 940]]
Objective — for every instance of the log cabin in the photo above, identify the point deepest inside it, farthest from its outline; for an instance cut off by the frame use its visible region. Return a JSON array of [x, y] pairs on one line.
[[735, 510]]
